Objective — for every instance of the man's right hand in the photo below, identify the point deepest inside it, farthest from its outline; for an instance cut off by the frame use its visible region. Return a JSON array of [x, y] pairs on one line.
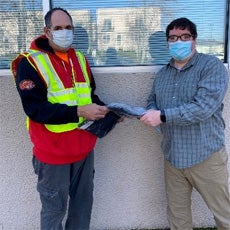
[[92, 111]]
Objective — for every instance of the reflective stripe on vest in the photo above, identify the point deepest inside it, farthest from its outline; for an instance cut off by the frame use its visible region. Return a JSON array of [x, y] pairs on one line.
[[79, 94]]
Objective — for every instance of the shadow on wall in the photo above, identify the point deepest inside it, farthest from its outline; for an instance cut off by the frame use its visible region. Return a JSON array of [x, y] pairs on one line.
[[158, 48]]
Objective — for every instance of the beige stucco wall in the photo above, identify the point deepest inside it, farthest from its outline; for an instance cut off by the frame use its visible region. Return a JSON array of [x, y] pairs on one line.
[[129, 183]]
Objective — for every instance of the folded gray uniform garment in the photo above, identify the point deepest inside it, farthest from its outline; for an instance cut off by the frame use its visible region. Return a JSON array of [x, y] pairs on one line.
[[123, 109], [101, 127]]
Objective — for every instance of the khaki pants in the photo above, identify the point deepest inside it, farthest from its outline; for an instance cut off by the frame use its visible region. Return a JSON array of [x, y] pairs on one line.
[[210, 179]]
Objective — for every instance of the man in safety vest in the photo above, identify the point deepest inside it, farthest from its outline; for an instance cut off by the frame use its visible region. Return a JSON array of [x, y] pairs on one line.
[[56, 87]]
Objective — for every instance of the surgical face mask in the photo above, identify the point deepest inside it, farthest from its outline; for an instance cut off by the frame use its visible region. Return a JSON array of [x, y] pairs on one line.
[[180, 50], [63, 38]]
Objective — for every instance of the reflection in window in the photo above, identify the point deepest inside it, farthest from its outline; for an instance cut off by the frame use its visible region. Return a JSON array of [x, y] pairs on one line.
[[81, 42], [129, 25], [112, 58], [106, 38], [107, 27], [158, 48], [125, 25], [20, 23], [118, 39]]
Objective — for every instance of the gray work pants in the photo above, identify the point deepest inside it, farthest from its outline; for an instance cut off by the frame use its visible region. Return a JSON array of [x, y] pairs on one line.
[[58, 184]]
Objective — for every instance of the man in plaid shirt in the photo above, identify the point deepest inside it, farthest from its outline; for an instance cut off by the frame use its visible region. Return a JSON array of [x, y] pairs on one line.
[[186, 101]]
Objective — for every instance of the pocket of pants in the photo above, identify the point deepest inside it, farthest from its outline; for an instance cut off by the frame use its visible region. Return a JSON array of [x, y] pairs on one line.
[[220, 157], [50, 199], [215, 168], [224, 156]]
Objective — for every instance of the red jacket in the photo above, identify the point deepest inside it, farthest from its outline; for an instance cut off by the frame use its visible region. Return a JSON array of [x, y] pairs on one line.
[[49, 147]]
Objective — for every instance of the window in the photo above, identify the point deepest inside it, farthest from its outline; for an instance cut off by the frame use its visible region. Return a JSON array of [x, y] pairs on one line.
[[107, 26], [119, 40], [106, 39], [20, 22], [132, 28]]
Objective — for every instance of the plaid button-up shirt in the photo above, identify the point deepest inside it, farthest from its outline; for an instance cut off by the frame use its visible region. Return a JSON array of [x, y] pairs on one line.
[[192, 99]]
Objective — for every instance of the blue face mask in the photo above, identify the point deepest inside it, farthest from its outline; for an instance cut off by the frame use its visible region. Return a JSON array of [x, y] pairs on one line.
[[63, 38], [180, 50]]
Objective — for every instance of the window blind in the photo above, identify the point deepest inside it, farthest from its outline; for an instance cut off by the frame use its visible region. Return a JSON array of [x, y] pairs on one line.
[[20, 22], [119, 32], [130, 32]]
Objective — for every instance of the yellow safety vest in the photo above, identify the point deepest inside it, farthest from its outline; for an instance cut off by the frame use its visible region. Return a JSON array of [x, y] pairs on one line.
[[79, 94]]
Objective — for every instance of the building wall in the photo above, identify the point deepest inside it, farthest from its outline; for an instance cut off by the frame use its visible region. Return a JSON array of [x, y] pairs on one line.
[[129, 184]]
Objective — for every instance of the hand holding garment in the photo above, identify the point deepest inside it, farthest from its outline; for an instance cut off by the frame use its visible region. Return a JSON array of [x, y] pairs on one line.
[[103, 126]]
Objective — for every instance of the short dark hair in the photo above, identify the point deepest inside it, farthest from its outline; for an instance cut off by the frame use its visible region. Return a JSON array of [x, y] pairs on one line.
[[182, 23], [48, 15]]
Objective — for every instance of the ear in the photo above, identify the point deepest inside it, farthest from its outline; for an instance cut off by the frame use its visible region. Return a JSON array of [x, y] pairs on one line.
[[47, 32], [194, 44]]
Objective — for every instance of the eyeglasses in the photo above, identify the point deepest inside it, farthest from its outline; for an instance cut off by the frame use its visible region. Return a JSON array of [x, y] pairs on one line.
[[183, 37]]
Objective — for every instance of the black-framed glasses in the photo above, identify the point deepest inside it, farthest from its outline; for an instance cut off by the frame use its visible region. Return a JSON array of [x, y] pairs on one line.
[[183, 37]]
